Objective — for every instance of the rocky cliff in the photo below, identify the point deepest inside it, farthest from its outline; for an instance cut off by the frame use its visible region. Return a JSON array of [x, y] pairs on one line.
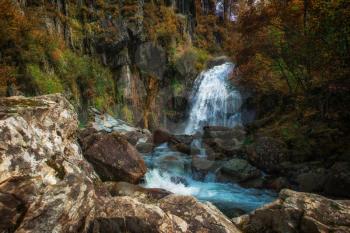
[[134, 59]]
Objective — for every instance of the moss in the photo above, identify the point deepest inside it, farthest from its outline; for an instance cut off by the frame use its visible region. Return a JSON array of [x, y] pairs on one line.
[[177, 87], [47, 83], [127, 114]]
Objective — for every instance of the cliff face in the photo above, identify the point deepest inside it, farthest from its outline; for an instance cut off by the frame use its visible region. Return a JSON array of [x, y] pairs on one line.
[[124, 57]]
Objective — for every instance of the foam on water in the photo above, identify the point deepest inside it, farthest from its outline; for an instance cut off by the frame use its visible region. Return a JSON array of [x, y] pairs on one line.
[[226, 196], [213, 102]]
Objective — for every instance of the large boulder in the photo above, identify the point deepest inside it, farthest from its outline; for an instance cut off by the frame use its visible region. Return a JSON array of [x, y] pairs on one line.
[[112, 156], [268, 154], [161, 136], [223, 142], [202, 217], [312, 180], [338, 180], [239, 170], [46, 185], [298, 212], [201, 167], [181, 143]]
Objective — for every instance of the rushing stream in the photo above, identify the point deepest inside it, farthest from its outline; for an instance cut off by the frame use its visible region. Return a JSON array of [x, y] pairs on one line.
[[213, 102]]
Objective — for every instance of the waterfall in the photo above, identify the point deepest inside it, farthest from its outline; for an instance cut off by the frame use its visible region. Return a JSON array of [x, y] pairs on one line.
[[214, 101]]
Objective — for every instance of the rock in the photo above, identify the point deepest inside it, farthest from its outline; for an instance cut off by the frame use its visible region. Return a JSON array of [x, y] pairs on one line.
[[298, 212], [107, 123], [239, 170], [127, 189], [161, 136], [127, 214], [43, 176], [113, 158], [224, 133], [268, 154], [202, 217], [185, 65], [222, 142], [151, 59], [174, 162], [201, 167], [181, 143], [144, 147], [217, 61], [338, 180], [312, 181], [185, 149], [179, 180], [277, 184], [185, 139]]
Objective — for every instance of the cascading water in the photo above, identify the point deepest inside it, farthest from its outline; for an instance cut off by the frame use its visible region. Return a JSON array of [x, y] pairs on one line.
[[213, 102]]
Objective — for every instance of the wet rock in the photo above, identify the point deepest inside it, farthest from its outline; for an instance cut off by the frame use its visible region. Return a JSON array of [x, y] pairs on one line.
[[338, 180], [185, 149], [161, 136], [201, 167], [217, 61], [181, 143], [113, 158], [222, 142], [179, 180], [298, 212], [202, 217], [239, 170], [268, 154], [174, 162], [127, 189], [144, 147]]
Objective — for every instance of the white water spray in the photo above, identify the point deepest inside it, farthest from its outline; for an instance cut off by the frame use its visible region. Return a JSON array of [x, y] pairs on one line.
[[213, 101]]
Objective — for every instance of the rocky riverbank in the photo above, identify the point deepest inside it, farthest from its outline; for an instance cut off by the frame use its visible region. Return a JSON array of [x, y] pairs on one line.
[[51, 183], [48, 186]]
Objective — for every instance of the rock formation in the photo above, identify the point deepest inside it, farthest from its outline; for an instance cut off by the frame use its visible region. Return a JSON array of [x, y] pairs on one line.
[[298, 212]]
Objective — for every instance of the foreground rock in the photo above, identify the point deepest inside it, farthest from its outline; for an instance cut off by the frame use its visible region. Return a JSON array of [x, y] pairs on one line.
[[298, 212], [46, 185], [203, 217], [112, 157], [127, 189]]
